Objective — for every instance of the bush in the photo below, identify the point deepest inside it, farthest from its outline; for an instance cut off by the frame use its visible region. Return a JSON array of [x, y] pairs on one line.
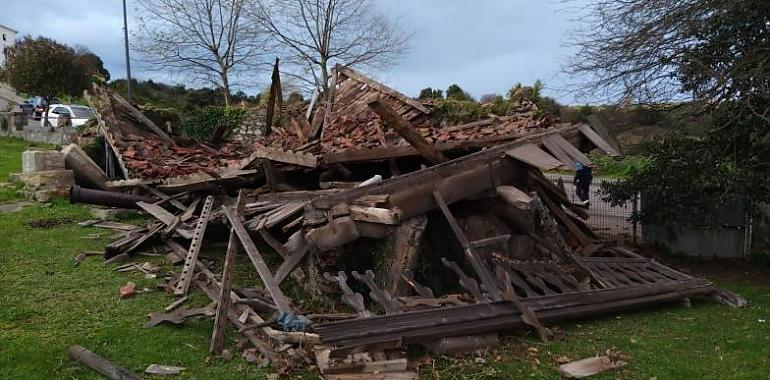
[[202, 124], [160, 116], [459, 111]]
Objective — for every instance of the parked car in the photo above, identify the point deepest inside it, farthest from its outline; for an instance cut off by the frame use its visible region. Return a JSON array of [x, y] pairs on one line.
[[78, 115], [27, 108], [38, 104]]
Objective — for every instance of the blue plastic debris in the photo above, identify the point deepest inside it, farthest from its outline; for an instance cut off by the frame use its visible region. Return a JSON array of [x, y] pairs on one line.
[[293, 322]]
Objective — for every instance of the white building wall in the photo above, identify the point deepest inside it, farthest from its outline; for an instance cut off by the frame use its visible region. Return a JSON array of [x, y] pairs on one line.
[[7, 38]]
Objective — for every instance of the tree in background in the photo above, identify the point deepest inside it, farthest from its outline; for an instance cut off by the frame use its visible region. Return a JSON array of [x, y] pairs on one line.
[[320, 34], [46, 68], [429, 93], [209, 39], [93, 64], [715, 53], [455, 92]]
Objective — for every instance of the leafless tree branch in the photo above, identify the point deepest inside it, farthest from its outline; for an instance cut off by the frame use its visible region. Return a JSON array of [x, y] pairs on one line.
[[210, 40]]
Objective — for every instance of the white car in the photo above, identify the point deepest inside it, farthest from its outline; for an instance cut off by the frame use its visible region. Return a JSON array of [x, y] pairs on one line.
[[78, 114]]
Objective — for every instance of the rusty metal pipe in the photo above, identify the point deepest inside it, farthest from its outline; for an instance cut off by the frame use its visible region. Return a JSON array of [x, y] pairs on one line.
[[106, 198]]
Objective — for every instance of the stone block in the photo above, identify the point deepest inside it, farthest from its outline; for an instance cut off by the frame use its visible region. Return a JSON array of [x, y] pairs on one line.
[[41, 161], [42, 185]]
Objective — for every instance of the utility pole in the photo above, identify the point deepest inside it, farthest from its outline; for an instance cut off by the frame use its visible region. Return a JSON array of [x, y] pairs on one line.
[[128, 59]]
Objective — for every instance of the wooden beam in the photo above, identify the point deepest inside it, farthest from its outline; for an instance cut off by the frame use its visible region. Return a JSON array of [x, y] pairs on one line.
[[514, 197], [597, 140], [259, 263], [291, 262], [228, 275], [280, 155], [486, 277], [100, 364], [143, 119], [275, 98], [352, 74], [338, 232], [407, 131], [375, 215]]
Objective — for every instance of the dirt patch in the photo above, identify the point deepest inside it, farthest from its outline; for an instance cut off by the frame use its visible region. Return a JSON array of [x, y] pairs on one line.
[[50, 222]]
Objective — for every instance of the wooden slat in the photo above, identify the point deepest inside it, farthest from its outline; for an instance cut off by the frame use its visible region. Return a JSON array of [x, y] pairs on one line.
[[535, 156], [407, 131], [557, 151], [228, 275], [259, 263], [597, 140], [350, 73], [575, 154], [143, 119], [279, 155]]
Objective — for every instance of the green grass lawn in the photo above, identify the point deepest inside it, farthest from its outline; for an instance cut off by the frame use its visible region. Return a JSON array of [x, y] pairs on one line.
[[47, 304]]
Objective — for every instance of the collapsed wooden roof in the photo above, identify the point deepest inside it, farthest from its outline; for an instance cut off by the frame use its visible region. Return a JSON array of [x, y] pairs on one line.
[[347, 129]]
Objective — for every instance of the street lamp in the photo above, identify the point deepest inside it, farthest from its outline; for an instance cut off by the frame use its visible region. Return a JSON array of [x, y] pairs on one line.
[[128, 59]]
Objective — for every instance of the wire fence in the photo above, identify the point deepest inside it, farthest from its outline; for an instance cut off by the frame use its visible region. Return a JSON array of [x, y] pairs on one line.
[[604, 219]]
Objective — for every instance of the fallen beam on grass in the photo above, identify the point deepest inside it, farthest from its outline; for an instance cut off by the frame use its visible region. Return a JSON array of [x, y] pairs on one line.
[[100, 364]]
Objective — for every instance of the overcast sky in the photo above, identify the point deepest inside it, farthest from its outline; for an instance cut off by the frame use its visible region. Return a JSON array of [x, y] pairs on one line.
[[484, 46]]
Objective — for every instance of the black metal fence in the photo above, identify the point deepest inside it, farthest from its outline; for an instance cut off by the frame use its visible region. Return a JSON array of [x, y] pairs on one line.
[[606, 220]]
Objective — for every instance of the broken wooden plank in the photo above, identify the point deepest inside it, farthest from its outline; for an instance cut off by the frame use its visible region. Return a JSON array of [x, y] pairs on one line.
[[273, 242], [338, 232], [352, 74], [290, 262], [375, 215], [228, 275], [195, 247], [407, 131], [280, 155], [259, 263], [557, 151], [402, 262], [514, 197], [486, 278], [100, 364], [143, 119], [535, 156], [574, 153], [589, 366], [597, 140]]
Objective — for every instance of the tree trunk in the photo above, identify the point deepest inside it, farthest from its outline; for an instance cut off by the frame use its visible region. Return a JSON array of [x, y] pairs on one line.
[[225, 87], [325, 78], [45, 114]]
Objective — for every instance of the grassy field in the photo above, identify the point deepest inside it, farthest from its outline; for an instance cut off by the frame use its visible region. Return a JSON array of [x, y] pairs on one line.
[[47, 304]]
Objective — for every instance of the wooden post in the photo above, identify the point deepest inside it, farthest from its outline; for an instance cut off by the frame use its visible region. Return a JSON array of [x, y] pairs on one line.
[[259, 263], [275, 99], [486, 277], [407, 131], [403, 259], [100, 364], [228, 275]]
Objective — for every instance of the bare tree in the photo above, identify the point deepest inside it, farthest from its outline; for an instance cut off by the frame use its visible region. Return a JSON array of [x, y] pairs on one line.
[[322, 33], [661, 50], [209, 39]]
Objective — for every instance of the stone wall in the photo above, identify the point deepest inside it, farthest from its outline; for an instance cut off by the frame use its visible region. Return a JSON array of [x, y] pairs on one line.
[[251, 127]]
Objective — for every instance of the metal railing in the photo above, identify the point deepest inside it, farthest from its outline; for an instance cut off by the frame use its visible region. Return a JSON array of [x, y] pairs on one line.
[[604, 219]]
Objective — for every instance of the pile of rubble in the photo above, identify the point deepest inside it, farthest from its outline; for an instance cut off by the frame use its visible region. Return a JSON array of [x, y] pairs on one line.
[[463, 239]]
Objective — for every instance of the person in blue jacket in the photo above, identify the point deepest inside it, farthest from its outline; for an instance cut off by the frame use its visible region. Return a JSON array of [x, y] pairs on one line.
[[582, 182]]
